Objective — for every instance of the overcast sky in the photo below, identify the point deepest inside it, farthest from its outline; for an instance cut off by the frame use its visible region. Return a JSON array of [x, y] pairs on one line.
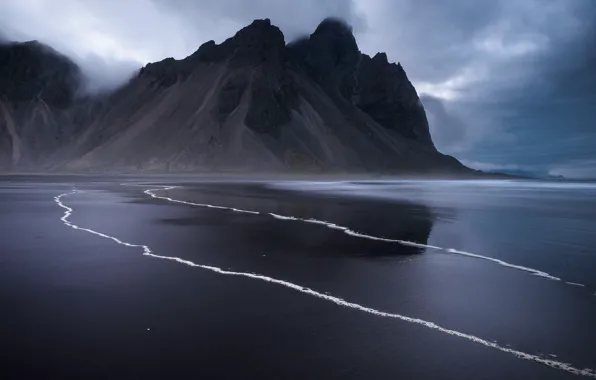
[[506, 83]]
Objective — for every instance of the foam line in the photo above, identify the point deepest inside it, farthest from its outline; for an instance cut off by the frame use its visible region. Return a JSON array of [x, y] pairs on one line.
[[336, 300], [348, 231], [575, 284], [150, 193], [506, 264]]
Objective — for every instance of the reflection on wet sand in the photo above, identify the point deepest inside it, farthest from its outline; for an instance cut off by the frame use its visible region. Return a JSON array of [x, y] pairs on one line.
[[396, 220]]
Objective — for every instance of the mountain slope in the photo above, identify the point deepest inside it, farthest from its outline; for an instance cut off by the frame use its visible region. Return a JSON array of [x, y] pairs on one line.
[[251, 103], [37, 87]]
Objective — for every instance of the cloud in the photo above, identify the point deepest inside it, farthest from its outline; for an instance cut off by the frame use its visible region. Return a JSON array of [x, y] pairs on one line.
[[295, 18], [104, 75], [454, 49], [109, 39], [576, 169], [449, 132]]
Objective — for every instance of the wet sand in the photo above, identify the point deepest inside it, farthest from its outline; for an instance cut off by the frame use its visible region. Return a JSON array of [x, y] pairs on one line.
[[76, 304]]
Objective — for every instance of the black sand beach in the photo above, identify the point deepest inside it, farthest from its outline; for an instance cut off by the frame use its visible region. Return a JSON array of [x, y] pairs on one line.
[[296, 280]]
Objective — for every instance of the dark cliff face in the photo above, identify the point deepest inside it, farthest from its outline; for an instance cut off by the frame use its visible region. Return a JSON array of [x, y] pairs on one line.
[[258, 43], [33, 71], [38, 87], [384, 92], [261, 48], [329, 56], [257, 54]]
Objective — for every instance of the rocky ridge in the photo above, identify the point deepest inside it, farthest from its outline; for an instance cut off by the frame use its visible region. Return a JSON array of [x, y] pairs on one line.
[[251, 103]]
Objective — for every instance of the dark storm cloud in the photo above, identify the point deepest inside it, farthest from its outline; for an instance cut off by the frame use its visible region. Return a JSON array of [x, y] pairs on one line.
[[461, 46], [572, 67], [431, 39], [554, 115], [516, 80]]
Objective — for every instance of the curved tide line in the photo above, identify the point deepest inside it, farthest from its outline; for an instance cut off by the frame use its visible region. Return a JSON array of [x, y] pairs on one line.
[[336, 300], [150, 193], [575, 284], [348, 231]]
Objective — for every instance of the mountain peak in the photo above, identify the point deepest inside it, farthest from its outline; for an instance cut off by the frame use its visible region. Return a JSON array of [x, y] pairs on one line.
[[333, 25], [32, 70], [330, 55], [259, 28], [258, 42], [381, 57], [260, 23], [385, 93]]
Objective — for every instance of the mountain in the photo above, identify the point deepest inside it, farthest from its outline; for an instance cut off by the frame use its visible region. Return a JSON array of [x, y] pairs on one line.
[[252, 103], [37, 85]]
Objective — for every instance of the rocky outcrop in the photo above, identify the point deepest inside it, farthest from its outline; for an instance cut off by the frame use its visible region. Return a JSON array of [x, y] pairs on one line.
[[230, 95], [384, 92], [329, 56], [13, 136], [251, 103], [38, 88], [259, 42], [32, 71], [273, 96]]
